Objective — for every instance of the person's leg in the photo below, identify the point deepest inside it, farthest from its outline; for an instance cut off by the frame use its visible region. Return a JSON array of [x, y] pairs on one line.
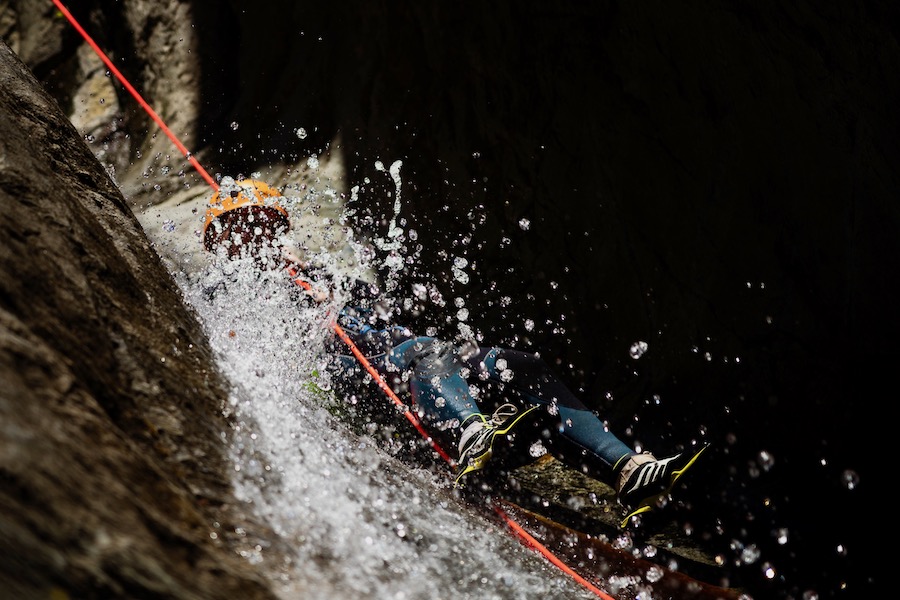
[[586, 440], [435, 382]]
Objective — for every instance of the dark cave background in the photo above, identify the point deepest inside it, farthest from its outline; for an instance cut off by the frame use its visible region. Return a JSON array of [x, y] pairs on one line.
[[717, 181]]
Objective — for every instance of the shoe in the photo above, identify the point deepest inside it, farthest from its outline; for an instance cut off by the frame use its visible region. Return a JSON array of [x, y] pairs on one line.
[[645, 480], [477, 441]]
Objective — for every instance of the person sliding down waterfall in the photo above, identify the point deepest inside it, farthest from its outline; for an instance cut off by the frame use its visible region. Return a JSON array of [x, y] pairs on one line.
[[248, 221]]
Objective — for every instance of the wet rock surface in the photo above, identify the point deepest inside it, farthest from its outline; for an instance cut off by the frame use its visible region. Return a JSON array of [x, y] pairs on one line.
[[114, 480]]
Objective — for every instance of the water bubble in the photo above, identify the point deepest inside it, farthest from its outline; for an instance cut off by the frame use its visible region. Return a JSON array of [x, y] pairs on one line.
[[529, 325], [781, 536], [850, 479], [168, 225], [750, 554], [462, 314], [766, 460], [524, 224], [234, 125], [312, 162], [537, 450], [638, 349], [301, 133], [654, 574]]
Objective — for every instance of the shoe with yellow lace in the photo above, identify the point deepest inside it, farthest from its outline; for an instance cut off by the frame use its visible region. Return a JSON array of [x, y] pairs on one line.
[[479, 432], [644, 479]]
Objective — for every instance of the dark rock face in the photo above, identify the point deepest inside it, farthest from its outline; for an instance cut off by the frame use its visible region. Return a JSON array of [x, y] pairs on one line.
[[110, 405], [717, 182]]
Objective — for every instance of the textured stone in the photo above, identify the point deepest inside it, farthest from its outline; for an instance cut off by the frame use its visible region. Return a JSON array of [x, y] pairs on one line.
[[111, 459]]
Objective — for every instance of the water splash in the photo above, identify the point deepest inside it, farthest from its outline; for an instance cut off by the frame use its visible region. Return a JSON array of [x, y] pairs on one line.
[[360, 522]]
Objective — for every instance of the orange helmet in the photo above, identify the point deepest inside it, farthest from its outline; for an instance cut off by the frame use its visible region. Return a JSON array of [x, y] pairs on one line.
[[245, 204]]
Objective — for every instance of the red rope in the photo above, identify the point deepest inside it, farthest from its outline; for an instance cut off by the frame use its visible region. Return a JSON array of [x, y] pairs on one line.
[[410, 416], [137, 96], [539, 547]]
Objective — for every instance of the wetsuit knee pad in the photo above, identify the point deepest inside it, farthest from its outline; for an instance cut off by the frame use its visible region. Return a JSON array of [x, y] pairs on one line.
[[435, 359]]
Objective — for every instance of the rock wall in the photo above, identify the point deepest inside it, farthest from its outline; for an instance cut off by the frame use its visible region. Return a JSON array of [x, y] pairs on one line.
[[111, 455]]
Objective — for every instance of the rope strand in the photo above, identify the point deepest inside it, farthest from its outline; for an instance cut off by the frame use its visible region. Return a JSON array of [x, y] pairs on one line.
[[149, 110]]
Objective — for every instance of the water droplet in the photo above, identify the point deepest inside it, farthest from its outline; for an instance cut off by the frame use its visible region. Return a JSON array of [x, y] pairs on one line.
[[537, 449], [850, 479], [654, 574], [460, 276], [638, 349], [766, 460], [781, 536], [750, 554]]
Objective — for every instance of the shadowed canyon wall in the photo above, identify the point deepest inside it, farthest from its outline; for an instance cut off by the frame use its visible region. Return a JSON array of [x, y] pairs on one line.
[[111, 459]]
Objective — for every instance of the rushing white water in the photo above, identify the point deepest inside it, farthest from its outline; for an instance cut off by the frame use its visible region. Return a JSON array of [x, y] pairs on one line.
[[361, 522], [358, 521]]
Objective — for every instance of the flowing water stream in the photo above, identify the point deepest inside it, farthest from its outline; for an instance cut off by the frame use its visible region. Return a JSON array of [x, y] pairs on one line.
[[359, 522]]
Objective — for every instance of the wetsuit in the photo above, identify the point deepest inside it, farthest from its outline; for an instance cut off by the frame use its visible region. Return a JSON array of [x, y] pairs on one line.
[[438, 376]]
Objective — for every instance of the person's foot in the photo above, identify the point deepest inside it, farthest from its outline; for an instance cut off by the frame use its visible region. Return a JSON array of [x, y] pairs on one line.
[[477, 441], [645, 480]]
